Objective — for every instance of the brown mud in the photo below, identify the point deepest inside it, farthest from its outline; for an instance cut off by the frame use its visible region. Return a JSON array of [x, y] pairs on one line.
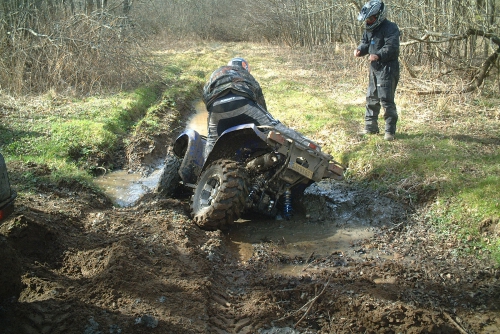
[[71, 262]]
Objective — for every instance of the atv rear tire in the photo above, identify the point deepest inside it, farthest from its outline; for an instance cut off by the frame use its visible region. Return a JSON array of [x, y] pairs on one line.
[[170, 178], [219, 197]]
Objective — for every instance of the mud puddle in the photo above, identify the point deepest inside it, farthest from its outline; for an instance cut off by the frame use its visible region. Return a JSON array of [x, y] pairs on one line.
[[334, 217], [125, 188], [198, 121], [296, 237], [299, 241], [334, 220]]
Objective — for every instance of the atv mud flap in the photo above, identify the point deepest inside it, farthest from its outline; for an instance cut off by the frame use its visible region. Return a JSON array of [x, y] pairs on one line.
[[189, 147]]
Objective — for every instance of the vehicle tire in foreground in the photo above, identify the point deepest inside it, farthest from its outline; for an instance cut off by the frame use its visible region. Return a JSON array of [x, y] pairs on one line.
[[170, 178], [219, 197]]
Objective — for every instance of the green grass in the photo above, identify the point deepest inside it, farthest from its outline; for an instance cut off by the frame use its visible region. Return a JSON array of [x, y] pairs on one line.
[[65, 136], [446, 157], [73, 137]]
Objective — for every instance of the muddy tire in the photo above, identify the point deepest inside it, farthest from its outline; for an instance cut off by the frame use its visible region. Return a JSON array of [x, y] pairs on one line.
[[219, 197], [170, 178]]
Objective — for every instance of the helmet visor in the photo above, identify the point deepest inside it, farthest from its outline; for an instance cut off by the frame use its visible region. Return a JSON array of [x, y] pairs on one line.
[[362, 14], [369, 9]]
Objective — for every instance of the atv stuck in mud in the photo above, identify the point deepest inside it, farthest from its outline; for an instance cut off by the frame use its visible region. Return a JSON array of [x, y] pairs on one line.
[[259, 169]]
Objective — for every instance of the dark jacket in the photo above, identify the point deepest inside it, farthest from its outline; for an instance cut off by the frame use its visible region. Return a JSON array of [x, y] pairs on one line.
[[232, 79], [384, 42]]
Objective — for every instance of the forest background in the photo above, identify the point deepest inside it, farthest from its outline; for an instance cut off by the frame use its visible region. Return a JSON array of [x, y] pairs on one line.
[[449, 87], [81, 45]]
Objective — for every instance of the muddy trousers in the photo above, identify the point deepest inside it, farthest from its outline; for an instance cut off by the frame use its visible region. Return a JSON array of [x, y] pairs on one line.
[[218, 122], [381, 94]]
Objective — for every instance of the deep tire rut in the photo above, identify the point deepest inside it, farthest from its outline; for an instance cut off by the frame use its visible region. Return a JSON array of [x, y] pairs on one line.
[[46, 319], [228, 295]]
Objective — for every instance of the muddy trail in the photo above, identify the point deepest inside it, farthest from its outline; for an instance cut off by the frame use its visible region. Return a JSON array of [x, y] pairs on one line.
[[351, 260]]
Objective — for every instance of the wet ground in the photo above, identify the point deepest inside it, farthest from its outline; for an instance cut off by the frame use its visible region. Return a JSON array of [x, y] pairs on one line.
[[309, 233], [126, 187], [350, 261]]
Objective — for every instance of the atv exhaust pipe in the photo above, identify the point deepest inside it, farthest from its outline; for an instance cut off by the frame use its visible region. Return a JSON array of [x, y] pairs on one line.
[[264, 162]]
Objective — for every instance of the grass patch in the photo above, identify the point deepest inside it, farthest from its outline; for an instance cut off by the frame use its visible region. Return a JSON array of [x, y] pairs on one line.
[[445, 156], [66, 136]]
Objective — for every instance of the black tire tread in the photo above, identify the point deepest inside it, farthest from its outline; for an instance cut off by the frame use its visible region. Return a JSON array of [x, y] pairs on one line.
[[230, 201], [170, 178]]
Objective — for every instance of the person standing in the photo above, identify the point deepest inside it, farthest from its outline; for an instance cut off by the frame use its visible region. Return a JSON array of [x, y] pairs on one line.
[[380, 42]]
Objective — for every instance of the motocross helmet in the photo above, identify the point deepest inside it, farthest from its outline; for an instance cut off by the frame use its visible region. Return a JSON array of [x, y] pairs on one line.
[[239, 62], [373, 8]]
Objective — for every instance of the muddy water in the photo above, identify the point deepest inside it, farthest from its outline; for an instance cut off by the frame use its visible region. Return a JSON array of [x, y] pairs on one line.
[[335, 216], [300, 238], [297, 237], [125, 188], [198, 121]]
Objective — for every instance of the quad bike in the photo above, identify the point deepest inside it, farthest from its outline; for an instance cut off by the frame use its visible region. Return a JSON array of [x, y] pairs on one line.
[[250, 168], [7, 195]]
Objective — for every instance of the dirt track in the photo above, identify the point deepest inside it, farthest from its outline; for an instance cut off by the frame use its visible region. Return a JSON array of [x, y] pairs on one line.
[[79, 265], [86, 267]]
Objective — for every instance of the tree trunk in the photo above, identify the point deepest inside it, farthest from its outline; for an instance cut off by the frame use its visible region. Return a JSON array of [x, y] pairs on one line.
[[127, 4], [89, 6]]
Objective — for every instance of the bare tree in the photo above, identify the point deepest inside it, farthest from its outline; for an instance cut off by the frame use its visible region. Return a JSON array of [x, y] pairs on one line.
[[442, 36], [75, 45]]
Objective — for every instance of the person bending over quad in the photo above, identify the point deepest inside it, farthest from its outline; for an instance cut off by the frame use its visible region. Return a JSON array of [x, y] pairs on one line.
[[233, 97]]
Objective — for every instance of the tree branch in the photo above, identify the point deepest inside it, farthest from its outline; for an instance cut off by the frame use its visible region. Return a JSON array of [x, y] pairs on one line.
[[34, 33], [482, 73]]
